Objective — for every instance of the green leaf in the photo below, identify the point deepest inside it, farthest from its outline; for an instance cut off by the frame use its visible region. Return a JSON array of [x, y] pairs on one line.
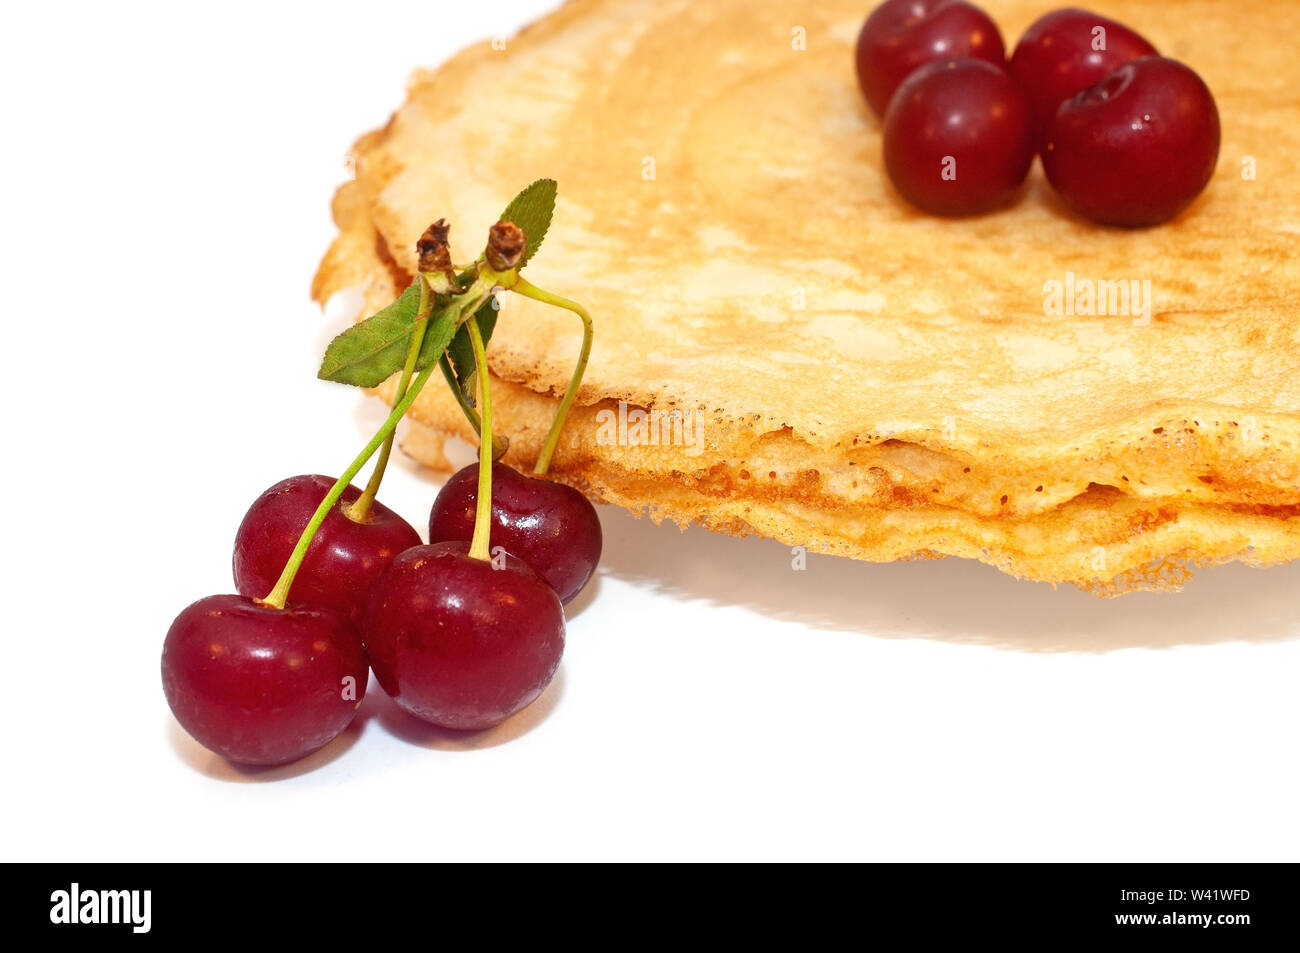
[[373, 350], [437, 336], [531, 210]]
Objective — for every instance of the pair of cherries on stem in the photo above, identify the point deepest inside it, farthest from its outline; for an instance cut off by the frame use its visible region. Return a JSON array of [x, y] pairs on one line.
[[551, 527], [458, 641], [455, 637]]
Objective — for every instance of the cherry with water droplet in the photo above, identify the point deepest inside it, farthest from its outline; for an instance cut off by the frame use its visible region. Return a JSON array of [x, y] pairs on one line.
[[1138, 147], [902, 35], [461, 642], [344, 559], [551, 527], [1066, 51], [259, 685], [958, 138]]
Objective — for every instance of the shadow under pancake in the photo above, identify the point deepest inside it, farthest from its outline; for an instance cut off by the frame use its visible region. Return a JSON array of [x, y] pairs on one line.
[[952, 600]]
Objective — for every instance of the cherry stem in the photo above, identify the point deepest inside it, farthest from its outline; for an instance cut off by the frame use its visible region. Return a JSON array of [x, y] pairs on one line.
[[530, 290], [280, 594], [359, 510], [478, 547], [499, 445]]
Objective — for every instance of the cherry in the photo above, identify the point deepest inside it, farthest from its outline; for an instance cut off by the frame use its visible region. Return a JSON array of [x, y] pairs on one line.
[[260, 685], [958, 137], [901, 35], [1135, 149], [1059, 56], [458, 641], [551, 527], [344, 558]]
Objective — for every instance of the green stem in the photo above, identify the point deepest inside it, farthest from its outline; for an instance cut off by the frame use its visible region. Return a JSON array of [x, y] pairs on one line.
[[530, 290], [478, 547], [280, 594], [499, 443], [450, 375], [359, 511]]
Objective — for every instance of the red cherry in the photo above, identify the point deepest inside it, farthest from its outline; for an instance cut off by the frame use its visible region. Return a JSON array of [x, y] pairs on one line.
[[1135, 149], [458, 642], [957, 138], [901, 35], [550, 526], [261, 685], [1058, 56], [344, 559]]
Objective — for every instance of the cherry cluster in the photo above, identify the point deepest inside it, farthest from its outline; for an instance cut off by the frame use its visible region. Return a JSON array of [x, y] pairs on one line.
[[1127, 137], [463, 631]]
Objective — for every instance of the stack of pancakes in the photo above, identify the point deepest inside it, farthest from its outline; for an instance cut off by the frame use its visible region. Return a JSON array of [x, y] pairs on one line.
[[784, 347]]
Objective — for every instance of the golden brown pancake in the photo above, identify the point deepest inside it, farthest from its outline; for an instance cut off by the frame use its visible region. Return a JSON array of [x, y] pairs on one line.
[[871, 381]]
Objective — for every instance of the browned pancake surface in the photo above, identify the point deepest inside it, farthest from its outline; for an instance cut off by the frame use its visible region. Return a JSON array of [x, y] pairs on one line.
[[768, 274]]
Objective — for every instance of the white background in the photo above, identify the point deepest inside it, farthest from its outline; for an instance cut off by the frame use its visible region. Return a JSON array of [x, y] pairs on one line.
[[166, 186]]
